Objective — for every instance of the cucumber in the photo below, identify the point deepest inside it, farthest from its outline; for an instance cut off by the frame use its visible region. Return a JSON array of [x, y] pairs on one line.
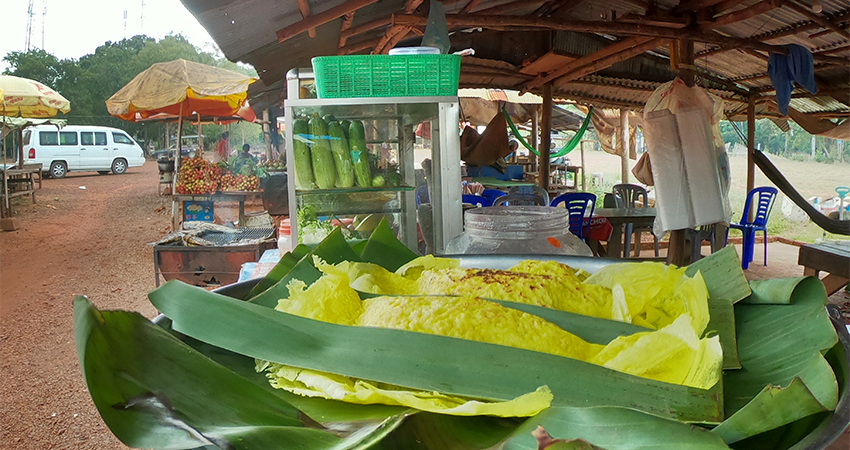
[[342, 157], [301, 153], [324, 171], [359, 154], [346, 124]]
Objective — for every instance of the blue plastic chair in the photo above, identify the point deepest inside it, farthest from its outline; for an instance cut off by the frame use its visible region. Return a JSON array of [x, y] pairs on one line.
[[478, 200], [422, 195], [579, 205], [519, 200], [761, 198], [492, 194]]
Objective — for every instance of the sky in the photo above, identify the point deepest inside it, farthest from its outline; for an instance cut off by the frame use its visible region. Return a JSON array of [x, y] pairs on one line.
[[74, 28]]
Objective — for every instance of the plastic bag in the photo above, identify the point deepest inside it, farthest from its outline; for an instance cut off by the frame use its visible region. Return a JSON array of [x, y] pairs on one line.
[[437, 31], [643, 170]]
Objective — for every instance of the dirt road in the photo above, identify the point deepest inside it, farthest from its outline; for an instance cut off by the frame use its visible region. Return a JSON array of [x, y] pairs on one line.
[[88, 235]]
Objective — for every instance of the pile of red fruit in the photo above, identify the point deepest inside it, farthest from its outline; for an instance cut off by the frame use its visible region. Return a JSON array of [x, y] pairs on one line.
[[230, 182], [198, 176]]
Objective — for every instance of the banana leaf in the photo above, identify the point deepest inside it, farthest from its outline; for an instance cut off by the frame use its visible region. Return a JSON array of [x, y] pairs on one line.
[[286, 263], [722, 322], [333, 249], [613, 428], [384, 249], [783, 333], [146, 385], [419, 361], [722, 274]]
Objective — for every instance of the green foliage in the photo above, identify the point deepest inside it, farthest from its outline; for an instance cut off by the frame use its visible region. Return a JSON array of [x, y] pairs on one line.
[[796, 144], [88, 82]]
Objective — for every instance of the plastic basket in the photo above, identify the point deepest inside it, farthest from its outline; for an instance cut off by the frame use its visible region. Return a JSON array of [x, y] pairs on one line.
[[386, 75]]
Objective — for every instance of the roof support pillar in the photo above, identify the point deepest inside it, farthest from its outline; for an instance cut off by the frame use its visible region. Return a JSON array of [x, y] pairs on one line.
[[535, 136], [623, 143], [677, 254], [751, 144], [545, 138]]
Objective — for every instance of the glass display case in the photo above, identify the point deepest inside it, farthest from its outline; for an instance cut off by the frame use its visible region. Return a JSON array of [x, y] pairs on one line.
[[411, 147]]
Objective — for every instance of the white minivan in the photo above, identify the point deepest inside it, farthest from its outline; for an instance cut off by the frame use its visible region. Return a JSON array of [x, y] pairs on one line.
[[77, 148]]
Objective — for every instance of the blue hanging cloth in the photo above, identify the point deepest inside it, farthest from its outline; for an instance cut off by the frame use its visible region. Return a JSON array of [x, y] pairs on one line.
[[798, 65]]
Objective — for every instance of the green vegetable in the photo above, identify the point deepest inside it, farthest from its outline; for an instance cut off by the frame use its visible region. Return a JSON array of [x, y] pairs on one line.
[[360, 154], [301, 153], [378, 181], [346, 124], [328, 118], [393, 179], [342, 157], [320, 152]]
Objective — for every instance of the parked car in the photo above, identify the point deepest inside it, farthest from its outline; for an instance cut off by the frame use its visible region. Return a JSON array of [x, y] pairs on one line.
[[81, 148], [169, 154]]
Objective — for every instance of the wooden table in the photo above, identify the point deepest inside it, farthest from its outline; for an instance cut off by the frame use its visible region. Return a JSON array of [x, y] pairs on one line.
[[22, 180], [830, 257], [618, 217]]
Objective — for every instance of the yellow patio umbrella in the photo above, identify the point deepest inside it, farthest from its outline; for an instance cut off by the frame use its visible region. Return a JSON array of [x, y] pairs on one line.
[[182, 88], [22, 97]]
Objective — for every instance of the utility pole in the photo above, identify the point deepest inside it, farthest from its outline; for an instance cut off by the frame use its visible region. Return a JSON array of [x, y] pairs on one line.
[[125, 24], [28, 41], [142, 19], [43, 22]]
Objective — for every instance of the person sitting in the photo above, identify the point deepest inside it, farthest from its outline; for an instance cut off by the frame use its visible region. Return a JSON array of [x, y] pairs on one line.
[[246, 153]]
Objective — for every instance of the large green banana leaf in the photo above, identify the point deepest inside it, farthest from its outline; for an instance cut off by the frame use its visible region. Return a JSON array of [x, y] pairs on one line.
[[783, 334], [419, 361], [154, 391]]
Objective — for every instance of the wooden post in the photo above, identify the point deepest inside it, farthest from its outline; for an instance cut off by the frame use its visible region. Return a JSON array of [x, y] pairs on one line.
[[176, 208], [267, 137], [545, 138], [677, 254], [623, 144], [535, 141], [751, 142]]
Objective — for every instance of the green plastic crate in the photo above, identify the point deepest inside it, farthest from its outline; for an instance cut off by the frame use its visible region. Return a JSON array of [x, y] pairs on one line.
[[386, 75]]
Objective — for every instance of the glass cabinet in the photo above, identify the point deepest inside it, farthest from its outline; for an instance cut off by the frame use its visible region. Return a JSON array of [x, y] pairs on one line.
[[409, 160]]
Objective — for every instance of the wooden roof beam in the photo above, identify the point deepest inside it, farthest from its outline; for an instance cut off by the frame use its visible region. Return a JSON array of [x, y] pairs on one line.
[[805, 11], [790, 30], [346, 25], [694, 5], [322, 18], [368, 26], [609, 61], [505, 23], [508, 7], [470, 6], [741, 14], [305, 13]]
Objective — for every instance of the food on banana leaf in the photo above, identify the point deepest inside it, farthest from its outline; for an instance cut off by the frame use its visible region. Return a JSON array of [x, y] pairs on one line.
[[674, 354], [655, 294]]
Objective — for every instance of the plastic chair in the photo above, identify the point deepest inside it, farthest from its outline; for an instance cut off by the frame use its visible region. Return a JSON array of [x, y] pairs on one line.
[[764, 197], [478, 200], [492, 194], [696, 238], [579, 205], [630, 195], [519, 200], [532, 189], [842, 192], [422, 195]]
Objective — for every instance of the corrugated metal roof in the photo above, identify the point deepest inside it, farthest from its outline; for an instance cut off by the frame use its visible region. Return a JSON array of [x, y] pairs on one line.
[[245, 30]]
